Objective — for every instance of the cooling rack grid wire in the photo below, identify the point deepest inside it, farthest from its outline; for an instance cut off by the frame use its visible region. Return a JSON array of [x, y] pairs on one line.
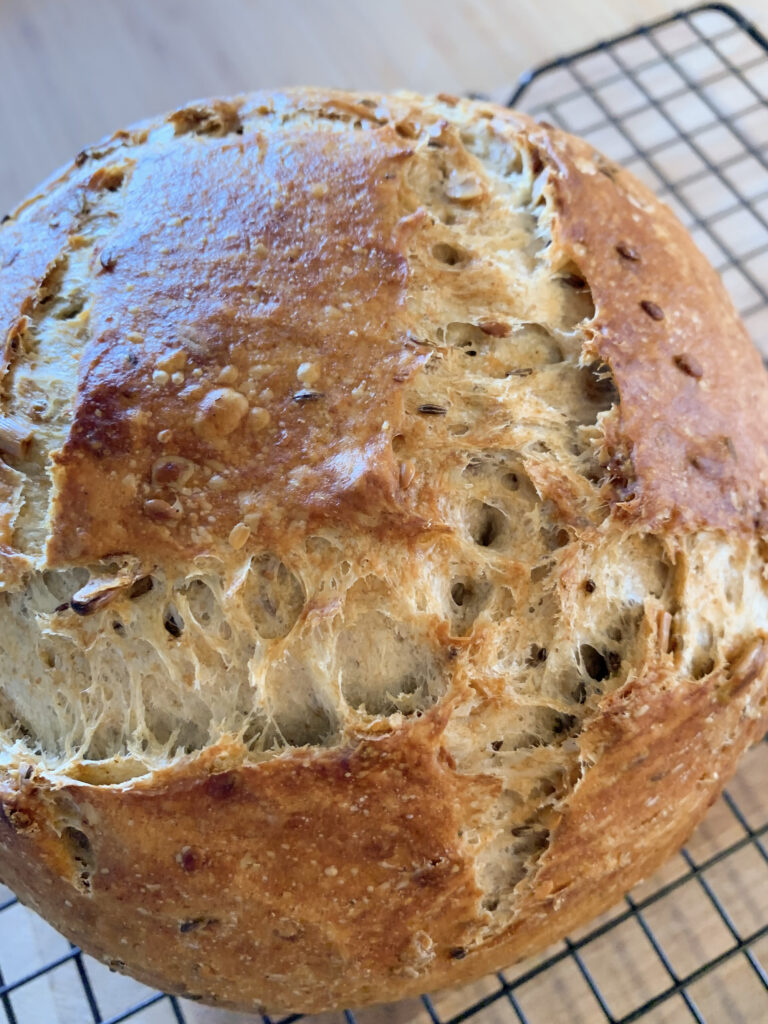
[[683, 103]]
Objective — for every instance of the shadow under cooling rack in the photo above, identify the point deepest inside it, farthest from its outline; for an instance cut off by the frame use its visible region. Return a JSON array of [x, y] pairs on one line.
[[682, 104]]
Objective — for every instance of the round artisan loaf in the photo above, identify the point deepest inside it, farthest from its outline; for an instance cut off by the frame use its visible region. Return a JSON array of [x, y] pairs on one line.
[[382, 544]]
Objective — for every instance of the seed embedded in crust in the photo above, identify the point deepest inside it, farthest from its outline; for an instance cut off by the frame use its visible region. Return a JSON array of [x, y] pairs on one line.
[[142, 586], [187, 858], [221, 412], [258, 418], [308, 396], [170, 362], [574, 281], [707, 465], [173, 623], [109, 178], [108, 260], [536, 655], [84, 608], [100, 592], [495, 328], [462, 187], [628, 252], [428, 409], [189, 926], [172, 472], [689, 365], [239, 535], [407, 473], [161, 510], [15, 437], [308, 374], [654, 312], [605, 166]]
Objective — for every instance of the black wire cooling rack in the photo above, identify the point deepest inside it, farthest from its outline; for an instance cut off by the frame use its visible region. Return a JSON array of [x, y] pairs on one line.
[[683, 103]]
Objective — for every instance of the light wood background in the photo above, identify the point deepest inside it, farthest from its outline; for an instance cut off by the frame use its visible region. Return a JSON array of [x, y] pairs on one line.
[[73, 70]]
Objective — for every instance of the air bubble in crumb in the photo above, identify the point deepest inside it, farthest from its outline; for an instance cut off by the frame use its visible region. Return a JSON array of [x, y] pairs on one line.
[[468, 599], [449, 255], [385, 667], [273, 596], [173, 622], [487, 524]]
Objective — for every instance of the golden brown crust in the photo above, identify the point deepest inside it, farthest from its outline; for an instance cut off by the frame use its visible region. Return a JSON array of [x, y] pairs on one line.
[[309, 866], [656, 762], [26, 255], [182, 290], [257, 381], [318, 880], [694, 394], [254, 299]]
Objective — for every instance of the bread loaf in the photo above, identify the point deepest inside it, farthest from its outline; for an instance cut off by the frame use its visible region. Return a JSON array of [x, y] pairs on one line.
[[383, 491]]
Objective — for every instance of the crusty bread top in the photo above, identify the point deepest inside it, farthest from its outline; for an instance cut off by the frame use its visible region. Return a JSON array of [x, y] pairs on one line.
[[247, 307], [382, 478], [322, 390], [693, 413], [348, 383]]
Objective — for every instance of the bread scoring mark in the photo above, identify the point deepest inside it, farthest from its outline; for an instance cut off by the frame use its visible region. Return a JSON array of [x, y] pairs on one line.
[[669, 287], [511, 376], [333, 272], [39, 382], [217, 118]]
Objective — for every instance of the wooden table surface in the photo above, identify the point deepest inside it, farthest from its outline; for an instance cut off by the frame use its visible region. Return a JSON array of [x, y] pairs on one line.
[[73, 70]]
